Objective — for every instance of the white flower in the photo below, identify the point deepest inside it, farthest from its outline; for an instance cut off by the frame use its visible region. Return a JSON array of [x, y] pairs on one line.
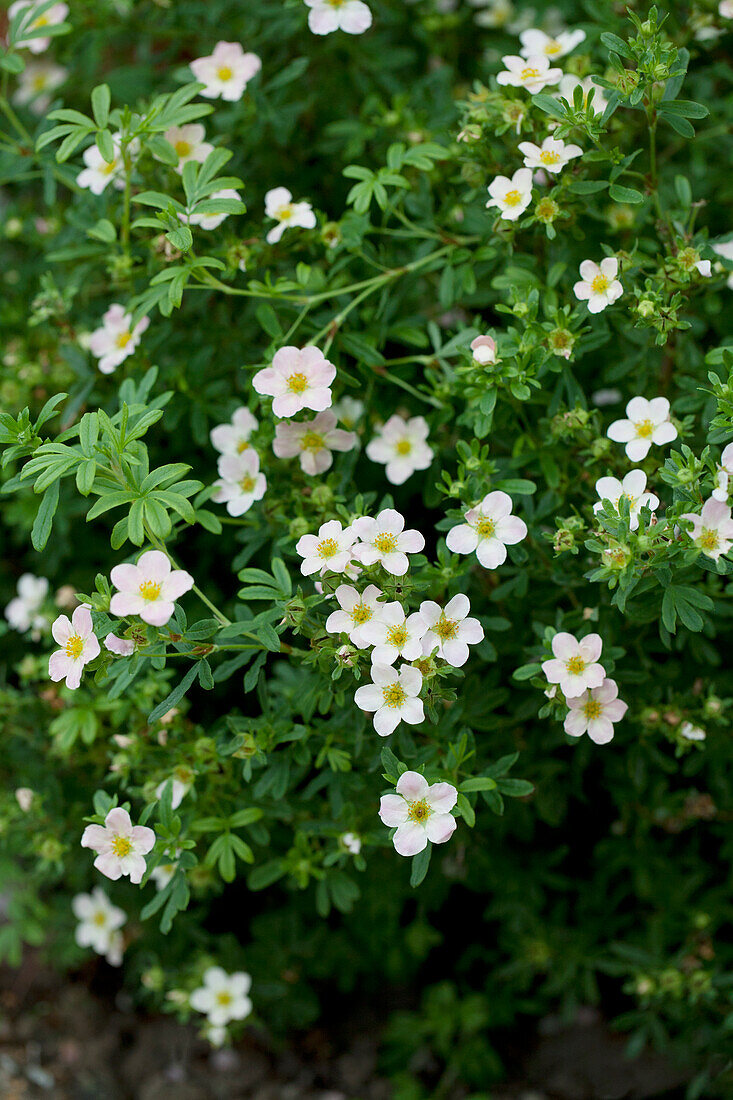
[[484, 350], [592, 94], [98, 918], [52, 17], [313, 440], [223, 997], [535, 42], [99, 172], [724, 249], [533, 73], [211, 221], [394, 635], [226, 72], [393, 696], [233, 438], [148, 589], [189, 143], [598, 284], [725, 9], [489, 528], [179, 790], [288, 214], [384, 540], [692, 733], [116, 339], [36, 83], [351, 842], [25, 796], [722, 477], [23, 611], [121, 847], [648, 422], [552, 155], [78, 647], [357, 611], [121, 646], [299, 378], [328, 551], [511, 196], [349, 411], [401, 445], [604, 397], [241, 482], [421, 811], [594, 712], [450, 630], [632, 488], [712, 530], [575, 663], [326, 16]]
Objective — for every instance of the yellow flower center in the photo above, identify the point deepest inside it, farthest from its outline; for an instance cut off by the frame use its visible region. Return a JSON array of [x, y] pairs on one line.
[[708, 539], [529, 73], [599, 285], [39, 82], [297, 383], [312, 441], [284, 213], [552, 48], [247, 484], [150, 590], [99, 918], [223, 998], [403, 447], [393, 695], [242, 446], [123, 339], [336, 3], [446, 628], [593, 709], [224, 72], [397, 636], [485, 528], [513, 198], [419, 811], [42, 21], [575, 665], [183, 148], [548, 157], [386, 543], [644, 428], [327, 548], [108, 169], [121, 846], [361, 614], [74, 647]]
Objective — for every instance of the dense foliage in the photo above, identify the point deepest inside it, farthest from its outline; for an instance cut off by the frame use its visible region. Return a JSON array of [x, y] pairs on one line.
[[470, 351]]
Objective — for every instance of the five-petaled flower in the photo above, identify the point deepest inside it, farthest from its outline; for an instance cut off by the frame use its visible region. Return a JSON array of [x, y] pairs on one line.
[[511, 196], [287, 214], [595, 712], [327, 16], [401, 445], [234, 437], [450, 631], [384, 540], [99, 172], [394, 634], [240, 483], [121, 847], [421, 812], [574, 665], [23, 611], [533, 73], [357, 611], [78, 644], [223, 997], [99, 922], [552, 155], [632, 489], [226, 72], [328, 551], [148, 589], [488, 529], [712, 530], [117, 338], [394, 696], [189, 143], [313, 440], [36, 83], [598, 285], [647, 422], [299, 378], [536, 42]]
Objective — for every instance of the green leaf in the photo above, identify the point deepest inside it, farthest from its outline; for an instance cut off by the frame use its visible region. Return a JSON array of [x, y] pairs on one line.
[[44, 517], [101, 99], [478, 783], [175, 696], [624, 194], [420, 864]]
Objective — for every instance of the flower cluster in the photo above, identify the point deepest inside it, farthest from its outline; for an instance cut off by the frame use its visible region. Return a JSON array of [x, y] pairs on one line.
[[592, 698]]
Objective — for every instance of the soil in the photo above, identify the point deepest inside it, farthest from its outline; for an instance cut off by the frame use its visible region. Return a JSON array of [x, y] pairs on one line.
[[59, 1040]]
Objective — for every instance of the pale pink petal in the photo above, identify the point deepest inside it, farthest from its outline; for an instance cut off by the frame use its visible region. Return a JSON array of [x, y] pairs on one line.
[[392, 810], [440, 827], [410, 839], [412, 786], [442, 797]]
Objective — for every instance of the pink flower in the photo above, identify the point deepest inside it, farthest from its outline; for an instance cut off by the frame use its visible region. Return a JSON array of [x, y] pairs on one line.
[[121, 646], [484, 350], [401, 445], [78, 646], [298, 379], [712, 530], [575, 666], [594, 712], [120, 845], [226, 72], [149, 588], [384, 540], [313, 440], [421, 812]]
